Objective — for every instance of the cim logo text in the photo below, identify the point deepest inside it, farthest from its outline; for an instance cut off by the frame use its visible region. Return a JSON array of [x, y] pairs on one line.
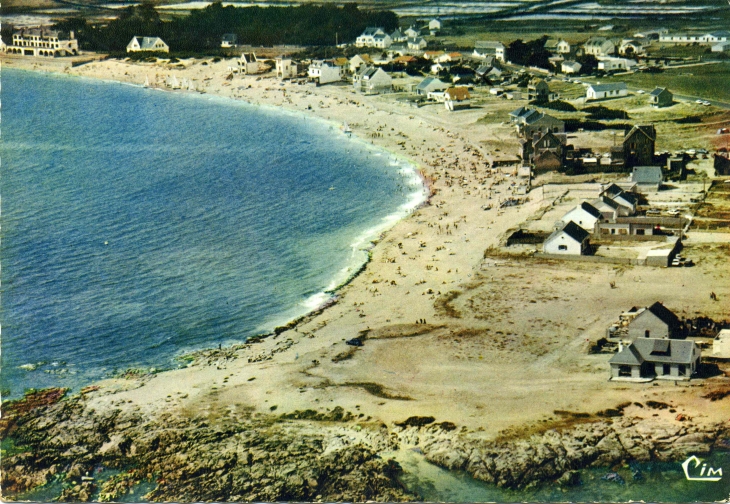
[[706, 473]]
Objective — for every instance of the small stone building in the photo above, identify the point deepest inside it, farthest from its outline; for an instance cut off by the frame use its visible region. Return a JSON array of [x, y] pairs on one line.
[[661, 97], [570, 240]]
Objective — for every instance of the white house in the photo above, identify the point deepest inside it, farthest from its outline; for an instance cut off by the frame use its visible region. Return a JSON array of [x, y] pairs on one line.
[[229, 40], [323, 72], [557, 46], [430, 84], [417, 43], [359, 60], [286, 68], [570, 67], [630, 47], [612, 64], [434, 26], [604, 91], [372, 80], [249, 64], [151, 44], [486, 48], [585, 215], [374, 37], [599, 46], [721, 46], [718, 36], [570, 240], [456, 98], [721, 345], [411, 32]]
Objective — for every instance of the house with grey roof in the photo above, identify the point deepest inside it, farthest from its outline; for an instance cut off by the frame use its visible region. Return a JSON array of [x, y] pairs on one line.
[[585, 215], [372, 80], [416, 43], [570, 67], [398, 36], [656, 321], [42, 41], [150, 44], [661, 97], [599, 46], [651, 358], [605, 91], [486, 48], [648, 177], [557, 46], [229, 40], [430, 84], [571, 239], [374, 36], [609, 208]]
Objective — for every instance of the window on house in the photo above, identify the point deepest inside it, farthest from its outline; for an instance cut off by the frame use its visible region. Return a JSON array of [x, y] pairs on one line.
[[624, 370], [647, 333], [666, 369], [562, 247], [639, 231]]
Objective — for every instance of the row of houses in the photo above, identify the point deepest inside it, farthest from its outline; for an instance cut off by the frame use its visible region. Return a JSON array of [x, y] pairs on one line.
[[703, 39], [378, 38]]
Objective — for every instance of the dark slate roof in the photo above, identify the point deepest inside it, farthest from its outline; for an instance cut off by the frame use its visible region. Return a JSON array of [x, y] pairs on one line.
[[519, 112], [628, 197], [607, 201], [665, 351], [664, 314], [654, 350], [628, 356], [575, 231], [612, 86], [658, 91], [590, 209], [431, 83], [613, 190]]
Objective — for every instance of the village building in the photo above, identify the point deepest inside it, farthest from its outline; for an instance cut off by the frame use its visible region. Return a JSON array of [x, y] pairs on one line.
[[434, 26], [487, 48], [374, 37], [412, 32], [324, 72], [547, 161], [585, 215], [544, 150], [599, 46], [610, 209], [456, 98], [705, 39], [630, 48], [417, 43], [148, 44], [656, 321], [620, 196], [648, 178], [649, 358], [638, 146], [229, 40], [627, 226], [571, 239], [557, 46], [613, 64], [43, 42], [398, 36], [372, 80], [429, 85], [286, 68], [606, 91], [661, 97], [570, 67], [249, 64], [540, 92], [721, 47], [359, 60]]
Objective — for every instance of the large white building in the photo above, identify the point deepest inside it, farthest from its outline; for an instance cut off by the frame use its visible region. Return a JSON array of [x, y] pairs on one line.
[[42, 41], [374, 37], [487, 48]]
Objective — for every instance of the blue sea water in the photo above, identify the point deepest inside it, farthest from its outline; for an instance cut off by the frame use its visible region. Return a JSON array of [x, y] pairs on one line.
[[139, 224]]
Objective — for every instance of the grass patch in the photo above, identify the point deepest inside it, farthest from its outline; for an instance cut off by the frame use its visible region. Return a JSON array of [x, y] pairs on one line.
[[377, 390], [444, 307]]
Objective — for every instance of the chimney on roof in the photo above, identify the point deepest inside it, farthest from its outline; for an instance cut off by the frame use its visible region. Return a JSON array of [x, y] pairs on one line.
[[71, 35]]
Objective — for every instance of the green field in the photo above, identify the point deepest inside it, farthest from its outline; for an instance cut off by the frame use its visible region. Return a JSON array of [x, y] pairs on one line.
[[711, 82]]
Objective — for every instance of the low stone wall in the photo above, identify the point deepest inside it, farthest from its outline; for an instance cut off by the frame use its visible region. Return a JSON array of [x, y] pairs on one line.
[[590, 258]]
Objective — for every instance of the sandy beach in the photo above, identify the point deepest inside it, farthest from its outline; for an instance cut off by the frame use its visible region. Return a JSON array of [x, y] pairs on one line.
[[496, 345]]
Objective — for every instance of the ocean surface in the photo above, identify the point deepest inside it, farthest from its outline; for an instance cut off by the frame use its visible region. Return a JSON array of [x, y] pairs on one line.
[[138, 225]]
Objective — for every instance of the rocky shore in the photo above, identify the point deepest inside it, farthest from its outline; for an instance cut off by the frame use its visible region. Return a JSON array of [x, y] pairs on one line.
[[305, 455]]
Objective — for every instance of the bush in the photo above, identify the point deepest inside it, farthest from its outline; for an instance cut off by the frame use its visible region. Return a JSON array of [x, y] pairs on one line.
[[601, 112], [559, 105]]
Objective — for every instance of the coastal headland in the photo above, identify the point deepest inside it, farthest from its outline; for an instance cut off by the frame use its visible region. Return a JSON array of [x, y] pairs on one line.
[[478, 359]]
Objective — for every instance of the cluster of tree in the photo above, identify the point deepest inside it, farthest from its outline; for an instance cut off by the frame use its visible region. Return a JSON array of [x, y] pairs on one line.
[[601, 112], [532, 53], [201, 31]]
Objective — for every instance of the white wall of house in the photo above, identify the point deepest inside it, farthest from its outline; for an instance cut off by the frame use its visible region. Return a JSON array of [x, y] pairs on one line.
[[561, 243]]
